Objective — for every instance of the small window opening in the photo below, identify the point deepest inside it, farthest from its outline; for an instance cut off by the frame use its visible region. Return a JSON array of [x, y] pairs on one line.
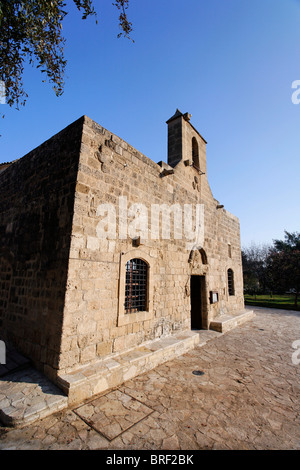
[[230, 282], [136, 286], [195, 153]]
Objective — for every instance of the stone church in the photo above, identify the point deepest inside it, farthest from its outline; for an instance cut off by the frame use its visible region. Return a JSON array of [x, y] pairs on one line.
[[88, 290]]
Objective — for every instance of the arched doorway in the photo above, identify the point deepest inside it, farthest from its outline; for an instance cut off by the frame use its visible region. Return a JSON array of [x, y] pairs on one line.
[[198, 302], [198, 290]]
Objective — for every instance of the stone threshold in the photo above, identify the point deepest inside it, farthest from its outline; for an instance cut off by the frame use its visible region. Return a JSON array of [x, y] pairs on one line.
[[225, 323]]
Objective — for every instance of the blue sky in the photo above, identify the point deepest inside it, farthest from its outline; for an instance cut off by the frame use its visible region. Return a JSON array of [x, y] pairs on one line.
[[230, 63]]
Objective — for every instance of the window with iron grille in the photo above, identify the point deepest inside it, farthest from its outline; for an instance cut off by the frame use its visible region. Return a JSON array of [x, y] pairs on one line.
[[136, 286], [230, 282]]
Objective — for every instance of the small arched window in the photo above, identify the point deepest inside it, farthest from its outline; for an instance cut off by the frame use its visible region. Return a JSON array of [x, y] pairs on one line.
[[136, 286], [195, 153], [230, 277]]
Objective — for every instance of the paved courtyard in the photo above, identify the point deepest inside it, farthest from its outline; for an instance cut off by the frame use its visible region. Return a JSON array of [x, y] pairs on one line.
[[239, 391]]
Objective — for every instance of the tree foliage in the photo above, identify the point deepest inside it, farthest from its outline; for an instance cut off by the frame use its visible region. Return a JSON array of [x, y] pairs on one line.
[[31, 30], [284, 264], [275, 268], [254, 259]]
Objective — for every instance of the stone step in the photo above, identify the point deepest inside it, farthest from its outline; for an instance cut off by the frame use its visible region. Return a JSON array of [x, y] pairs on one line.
[[225, 323], [27, 395]]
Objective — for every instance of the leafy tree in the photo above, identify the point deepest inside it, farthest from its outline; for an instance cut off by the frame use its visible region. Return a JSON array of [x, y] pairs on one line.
[[291, 242], [31, 30], [254, 260], [284, 264]]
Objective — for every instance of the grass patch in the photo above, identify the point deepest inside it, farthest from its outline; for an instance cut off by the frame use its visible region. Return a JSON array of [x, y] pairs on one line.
[[275, 301]]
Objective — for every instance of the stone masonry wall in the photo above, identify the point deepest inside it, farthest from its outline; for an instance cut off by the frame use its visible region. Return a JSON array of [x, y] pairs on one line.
[[36, 209]]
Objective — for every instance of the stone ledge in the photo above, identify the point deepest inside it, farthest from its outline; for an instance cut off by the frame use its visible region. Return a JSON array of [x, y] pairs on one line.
[[103, 375], [225, 323]]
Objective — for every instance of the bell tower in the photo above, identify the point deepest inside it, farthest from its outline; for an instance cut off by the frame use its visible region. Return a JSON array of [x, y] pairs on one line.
[[185, 143]]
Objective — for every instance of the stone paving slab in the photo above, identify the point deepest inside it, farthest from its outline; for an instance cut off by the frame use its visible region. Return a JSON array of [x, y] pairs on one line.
[[26, 396], [113, 414]]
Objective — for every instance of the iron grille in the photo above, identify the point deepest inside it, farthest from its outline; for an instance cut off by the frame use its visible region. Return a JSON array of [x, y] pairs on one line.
[[136, 286]]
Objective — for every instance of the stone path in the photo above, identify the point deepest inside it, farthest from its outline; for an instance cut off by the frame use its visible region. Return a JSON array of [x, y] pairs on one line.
[[247, 398]]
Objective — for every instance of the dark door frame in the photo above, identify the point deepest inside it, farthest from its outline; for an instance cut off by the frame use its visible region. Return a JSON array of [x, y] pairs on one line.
[[198, 302]]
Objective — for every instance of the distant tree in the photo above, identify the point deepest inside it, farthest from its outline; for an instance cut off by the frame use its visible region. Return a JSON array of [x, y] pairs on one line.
[[251, 283], [254, 260], [284, 264], [31, 30]]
